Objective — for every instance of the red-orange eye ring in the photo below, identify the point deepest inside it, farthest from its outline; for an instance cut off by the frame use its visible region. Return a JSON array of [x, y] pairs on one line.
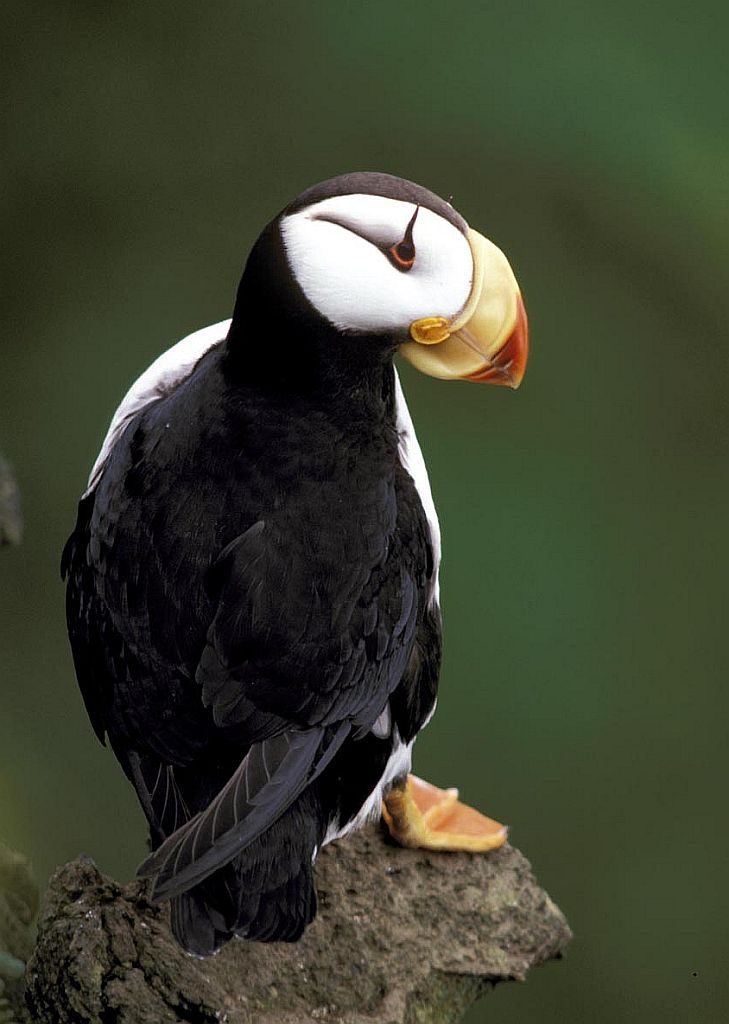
[[403, 256], [402, 253]]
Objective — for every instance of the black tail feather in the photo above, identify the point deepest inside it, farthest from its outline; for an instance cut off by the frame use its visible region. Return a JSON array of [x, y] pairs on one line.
[[266, 894], [193, 924], [268, 780]]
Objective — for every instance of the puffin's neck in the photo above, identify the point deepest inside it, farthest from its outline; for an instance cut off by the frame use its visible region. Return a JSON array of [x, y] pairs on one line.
[[280, 346]]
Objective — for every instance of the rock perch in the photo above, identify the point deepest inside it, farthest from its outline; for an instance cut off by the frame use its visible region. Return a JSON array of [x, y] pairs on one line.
[[402, 937]]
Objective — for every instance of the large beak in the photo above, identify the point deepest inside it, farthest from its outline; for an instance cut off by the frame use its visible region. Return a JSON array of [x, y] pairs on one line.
[[488, 341]]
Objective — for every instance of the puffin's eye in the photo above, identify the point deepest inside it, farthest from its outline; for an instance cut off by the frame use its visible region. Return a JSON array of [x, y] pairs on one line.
[[402, 253]]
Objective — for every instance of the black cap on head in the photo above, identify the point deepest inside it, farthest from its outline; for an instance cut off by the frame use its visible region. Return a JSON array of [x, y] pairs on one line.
[[375, 183]]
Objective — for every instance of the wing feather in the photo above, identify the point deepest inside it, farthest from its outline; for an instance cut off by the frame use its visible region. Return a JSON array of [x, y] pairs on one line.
[[268, 780]]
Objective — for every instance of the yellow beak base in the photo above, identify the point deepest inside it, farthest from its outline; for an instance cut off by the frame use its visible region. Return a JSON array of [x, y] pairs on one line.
[[488, 340]]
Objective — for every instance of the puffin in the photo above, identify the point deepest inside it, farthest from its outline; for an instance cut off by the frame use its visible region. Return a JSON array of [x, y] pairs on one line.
[[252, 588]]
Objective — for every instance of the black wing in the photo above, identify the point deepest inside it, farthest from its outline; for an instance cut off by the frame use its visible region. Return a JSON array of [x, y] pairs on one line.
[[302, 635], [271, 776], [277, 659]]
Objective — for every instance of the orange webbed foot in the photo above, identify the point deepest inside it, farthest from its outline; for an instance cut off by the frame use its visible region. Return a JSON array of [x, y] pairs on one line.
[[421, 815]]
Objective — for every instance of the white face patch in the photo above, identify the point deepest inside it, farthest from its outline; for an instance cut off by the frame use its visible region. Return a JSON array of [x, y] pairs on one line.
[[337, 252]]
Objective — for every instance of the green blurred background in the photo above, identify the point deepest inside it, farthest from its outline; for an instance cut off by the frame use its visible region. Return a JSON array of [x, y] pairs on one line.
[[583, 696]]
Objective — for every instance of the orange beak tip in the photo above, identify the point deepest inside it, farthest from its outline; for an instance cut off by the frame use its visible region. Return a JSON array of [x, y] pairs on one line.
[[508, 365]]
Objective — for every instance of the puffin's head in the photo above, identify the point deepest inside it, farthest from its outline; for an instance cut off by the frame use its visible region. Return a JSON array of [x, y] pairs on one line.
[[378, 256]]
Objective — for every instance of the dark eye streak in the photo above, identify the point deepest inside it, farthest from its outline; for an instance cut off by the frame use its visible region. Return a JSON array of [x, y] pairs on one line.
[[402, 254], [346, 227]]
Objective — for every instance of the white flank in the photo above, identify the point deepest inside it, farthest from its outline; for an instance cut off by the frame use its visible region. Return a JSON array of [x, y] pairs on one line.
[[397, 766], [163, 376], [412, 459], [400, 759]]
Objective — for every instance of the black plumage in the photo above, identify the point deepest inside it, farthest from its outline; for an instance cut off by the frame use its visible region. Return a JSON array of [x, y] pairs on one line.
[[248, 595]]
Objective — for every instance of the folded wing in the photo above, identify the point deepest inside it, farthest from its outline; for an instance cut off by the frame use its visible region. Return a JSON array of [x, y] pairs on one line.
[[270, 777]]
